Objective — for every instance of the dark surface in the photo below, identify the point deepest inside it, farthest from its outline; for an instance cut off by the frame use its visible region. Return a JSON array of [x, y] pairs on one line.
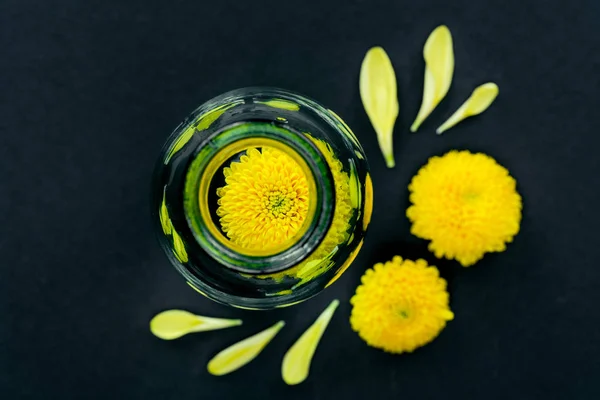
[[89, 91]]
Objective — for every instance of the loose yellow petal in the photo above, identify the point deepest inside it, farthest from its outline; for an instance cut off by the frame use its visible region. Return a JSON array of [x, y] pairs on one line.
[[378, 91], [173, 324], [481, 98], [296, 362], [439, 68], [241, 353]]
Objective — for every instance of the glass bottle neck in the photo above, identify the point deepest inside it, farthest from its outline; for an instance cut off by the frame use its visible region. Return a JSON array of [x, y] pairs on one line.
[[214, 151]]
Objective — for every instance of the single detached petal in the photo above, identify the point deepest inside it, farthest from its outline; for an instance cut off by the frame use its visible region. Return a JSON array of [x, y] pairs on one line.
[[378, 91], [439, 68], [241, 353], [481, 98], [296, 362], [173, 324]]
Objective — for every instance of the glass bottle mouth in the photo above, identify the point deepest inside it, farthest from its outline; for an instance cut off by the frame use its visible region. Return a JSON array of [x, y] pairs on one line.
[[215, 152]]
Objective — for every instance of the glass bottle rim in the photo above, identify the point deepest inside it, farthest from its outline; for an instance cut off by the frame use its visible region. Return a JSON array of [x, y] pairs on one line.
[[202, 169]]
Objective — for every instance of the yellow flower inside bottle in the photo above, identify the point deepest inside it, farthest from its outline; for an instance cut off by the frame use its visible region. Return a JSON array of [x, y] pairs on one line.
[[264, 202]]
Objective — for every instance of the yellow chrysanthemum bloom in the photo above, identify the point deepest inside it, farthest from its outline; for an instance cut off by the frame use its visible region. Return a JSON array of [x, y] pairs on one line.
[[466, 204], [401, 305], [265, 200]]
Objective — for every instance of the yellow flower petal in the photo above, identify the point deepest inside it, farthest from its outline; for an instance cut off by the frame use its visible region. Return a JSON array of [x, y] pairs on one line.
[[163, 214], [368, 202], [179, 247], [439, 68], [172, 324], [281, 104], [312, 269], [180, 142], [355, 192], [378, 92], [241, 353], [481, 98], [296, 362]]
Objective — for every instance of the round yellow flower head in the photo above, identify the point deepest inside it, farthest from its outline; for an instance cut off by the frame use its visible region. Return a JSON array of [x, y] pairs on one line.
[[466, 204], [265, 200], [401, 305]]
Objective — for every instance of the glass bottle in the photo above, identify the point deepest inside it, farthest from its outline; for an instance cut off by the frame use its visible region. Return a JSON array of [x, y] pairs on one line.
[[261, 198]]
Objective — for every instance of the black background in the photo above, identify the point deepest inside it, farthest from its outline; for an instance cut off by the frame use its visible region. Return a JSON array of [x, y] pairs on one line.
[[89, 91]]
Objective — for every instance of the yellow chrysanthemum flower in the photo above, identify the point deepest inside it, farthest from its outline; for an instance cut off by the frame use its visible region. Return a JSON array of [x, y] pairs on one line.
[[466, 204], [265, 200], [401, 305]]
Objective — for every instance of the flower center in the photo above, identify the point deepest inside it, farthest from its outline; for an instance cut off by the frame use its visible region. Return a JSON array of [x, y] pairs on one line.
[[279, 203], [401, 310], [470, 195]]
